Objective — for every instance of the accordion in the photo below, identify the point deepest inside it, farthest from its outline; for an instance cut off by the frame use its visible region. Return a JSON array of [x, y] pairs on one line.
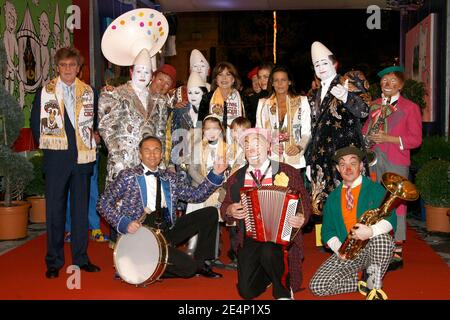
[[268, 209]]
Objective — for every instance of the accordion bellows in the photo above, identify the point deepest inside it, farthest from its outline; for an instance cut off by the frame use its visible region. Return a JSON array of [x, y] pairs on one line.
[[268, 209]]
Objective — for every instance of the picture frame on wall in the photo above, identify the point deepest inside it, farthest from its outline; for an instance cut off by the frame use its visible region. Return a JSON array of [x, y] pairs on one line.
[[420, 61]]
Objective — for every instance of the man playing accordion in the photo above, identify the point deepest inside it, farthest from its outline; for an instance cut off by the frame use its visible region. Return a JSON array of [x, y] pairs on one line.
[[261, 264]]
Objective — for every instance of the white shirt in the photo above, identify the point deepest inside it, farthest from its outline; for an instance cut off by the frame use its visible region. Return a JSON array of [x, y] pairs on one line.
[[393, 98], [263, 168], [325, 84], [150, 182], [69, 100]]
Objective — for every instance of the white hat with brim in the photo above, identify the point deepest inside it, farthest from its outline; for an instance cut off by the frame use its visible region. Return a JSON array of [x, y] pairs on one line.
[[133, 31]]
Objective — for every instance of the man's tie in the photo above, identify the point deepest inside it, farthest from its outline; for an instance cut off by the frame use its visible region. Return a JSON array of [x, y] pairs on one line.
[[69, 103], [257, 173], [349, 198]]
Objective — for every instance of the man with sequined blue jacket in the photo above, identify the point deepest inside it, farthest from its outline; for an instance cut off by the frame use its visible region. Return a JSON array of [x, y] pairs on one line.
[[145, 186]]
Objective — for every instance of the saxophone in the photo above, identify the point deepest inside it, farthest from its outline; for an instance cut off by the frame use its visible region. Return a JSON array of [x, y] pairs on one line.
[[375, 128], [398, 188]]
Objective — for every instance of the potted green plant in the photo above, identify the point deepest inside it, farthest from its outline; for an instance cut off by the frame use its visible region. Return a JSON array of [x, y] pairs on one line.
[[15, 170], [433, 147], [36, 190], [433, 183]]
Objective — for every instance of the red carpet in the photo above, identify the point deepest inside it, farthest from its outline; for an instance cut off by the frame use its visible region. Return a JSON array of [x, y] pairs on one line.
[[22, 276]]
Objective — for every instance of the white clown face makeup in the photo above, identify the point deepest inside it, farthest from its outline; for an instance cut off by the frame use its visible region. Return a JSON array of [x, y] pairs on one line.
[[324, 69], [195, 95], [201, 68], [141, 76]]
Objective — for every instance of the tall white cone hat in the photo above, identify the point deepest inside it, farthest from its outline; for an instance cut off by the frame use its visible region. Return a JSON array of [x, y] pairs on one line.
[[195, 80], [143, 59], [319, 52], [197, 56]]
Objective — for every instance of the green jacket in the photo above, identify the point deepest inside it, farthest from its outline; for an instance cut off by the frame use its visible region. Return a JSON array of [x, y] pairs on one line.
[[370, 197]]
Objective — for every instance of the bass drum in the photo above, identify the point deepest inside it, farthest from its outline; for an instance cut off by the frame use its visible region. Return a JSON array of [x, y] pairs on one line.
[[140, 258]]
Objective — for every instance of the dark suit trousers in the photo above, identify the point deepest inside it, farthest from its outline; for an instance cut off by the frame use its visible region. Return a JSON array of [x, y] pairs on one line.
[[202, 222], [260, 264], [57, 184]]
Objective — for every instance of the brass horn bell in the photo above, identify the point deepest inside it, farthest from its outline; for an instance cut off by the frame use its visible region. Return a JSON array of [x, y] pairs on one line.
[[398, 189]]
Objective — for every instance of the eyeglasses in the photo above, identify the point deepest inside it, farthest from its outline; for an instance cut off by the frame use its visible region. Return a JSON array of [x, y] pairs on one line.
[[68, 65]]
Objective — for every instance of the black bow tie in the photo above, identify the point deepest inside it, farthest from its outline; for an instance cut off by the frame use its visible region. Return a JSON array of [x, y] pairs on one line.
[[151, 173]]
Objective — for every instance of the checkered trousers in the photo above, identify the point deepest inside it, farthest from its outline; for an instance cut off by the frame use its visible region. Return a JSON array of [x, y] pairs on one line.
[[337, 276]]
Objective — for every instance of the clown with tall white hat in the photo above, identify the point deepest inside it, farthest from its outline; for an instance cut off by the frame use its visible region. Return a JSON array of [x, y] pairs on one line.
[[183, 122], [130, 111], [337, 107], [200, 65]]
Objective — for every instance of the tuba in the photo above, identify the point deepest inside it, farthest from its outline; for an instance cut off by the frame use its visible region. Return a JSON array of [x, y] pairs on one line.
[[399, 188]]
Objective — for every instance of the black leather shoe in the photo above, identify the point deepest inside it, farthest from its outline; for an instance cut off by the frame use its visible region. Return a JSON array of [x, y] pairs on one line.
[[395, 264], [208, 273], [52, 273], [89, 267]]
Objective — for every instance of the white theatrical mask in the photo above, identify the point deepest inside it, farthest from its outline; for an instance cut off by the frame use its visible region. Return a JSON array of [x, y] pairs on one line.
[[324, 69], [201, 68], [195, 96], [141, 77]]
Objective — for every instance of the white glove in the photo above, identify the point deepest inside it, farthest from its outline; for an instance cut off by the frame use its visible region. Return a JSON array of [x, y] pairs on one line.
[[340, 91], [361, 232]]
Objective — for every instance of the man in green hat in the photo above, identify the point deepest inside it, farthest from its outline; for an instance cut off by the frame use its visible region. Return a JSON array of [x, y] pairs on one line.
[[344, 206], [393, 128]]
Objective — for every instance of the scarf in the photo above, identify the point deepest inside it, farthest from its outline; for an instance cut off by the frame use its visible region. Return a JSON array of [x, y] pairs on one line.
[[53, 135], [235, 106]]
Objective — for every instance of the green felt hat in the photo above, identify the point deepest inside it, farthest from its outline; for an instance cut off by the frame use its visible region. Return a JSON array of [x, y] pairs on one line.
[[348, 150], [390, 70]]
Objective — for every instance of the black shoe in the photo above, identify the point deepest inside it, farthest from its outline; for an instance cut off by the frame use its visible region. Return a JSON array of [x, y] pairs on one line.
[[208, 273], [363, 288], [232, 255], [232, 265], [89, 267], [217, 263], [395, 264], [52, 273]]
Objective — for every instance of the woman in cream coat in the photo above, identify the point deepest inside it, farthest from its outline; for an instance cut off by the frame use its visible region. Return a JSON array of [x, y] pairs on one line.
[[287, 116]]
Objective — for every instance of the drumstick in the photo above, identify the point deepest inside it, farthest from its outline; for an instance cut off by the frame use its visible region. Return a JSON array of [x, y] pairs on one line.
[[144, 215]]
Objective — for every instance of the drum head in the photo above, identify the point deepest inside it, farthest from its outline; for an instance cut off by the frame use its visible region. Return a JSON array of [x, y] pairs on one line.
[[137, 256]]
